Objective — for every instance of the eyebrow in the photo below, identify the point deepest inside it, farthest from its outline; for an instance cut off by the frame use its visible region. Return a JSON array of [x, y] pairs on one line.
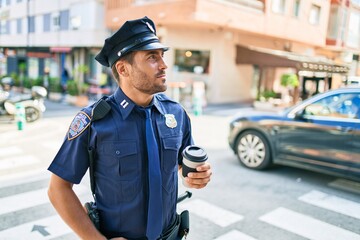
[[158, 51]]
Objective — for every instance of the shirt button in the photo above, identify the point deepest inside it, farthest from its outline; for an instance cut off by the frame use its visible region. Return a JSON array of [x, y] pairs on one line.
[[117, 152]]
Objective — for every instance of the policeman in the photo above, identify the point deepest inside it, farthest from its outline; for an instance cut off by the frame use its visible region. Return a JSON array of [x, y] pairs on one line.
[[138, 146]]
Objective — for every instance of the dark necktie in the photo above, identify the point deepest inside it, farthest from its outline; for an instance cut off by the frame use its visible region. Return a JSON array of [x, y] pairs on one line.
[[154, 220]]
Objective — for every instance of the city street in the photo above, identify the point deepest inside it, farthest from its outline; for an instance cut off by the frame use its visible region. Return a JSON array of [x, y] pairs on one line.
[[282, 203]]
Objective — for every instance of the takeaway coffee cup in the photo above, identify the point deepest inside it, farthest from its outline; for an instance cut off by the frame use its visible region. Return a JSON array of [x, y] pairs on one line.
[[194, 156]]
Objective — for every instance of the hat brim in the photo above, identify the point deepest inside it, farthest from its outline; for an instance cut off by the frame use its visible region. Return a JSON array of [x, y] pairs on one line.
[[151, 46]]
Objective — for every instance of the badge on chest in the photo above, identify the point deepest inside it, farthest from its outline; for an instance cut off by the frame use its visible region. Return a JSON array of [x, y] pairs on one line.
[[170, 120]]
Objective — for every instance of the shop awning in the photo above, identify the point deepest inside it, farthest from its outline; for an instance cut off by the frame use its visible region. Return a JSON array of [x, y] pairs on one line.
[[275, 58]]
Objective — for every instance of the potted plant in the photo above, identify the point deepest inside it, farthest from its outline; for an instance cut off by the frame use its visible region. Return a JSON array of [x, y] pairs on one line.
[[78, 87]]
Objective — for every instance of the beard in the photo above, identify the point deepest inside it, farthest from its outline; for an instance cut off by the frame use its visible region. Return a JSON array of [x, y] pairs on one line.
[[146, 83]]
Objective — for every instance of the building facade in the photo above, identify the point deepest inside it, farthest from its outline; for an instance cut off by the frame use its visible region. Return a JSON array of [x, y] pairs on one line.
[[238, 49], [40, 37], [221, 50], [343, 35]]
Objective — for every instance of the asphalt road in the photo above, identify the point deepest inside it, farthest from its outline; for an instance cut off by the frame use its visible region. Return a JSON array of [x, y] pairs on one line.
[[282, 203]]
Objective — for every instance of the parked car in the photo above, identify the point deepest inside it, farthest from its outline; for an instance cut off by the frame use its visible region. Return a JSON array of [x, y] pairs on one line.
[[321, 133]]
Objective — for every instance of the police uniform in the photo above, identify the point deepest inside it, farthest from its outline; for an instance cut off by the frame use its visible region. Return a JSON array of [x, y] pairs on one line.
[[120, 145]]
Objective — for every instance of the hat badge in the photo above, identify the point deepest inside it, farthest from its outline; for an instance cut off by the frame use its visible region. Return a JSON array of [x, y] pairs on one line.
[[150, 27], [170, 120]]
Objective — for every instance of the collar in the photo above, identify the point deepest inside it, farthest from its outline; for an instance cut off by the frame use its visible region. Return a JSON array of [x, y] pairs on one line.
[[126, 105], [157, 104]]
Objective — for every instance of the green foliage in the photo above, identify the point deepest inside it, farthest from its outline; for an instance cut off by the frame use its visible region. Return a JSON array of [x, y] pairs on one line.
[[72, 88], [82, 68], [289, 80], [267, 94], [54, 84], [75, 89], [27, 83], [79, 74], [16, 78], [22, 67], [30, 82], [38, 81]]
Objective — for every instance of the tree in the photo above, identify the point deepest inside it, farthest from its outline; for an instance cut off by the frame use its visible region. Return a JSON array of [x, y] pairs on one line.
[[289, 80]]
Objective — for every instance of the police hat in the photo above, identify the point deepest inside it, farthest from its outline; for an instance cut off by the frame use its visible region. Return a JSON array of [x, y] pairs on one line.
[[134, 35]]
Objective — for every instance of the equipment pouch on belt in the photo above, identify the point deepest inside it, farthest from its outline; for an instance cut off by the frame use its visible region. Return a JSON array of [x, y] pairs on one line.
[[179, 229], [184, 223], [93, 214]]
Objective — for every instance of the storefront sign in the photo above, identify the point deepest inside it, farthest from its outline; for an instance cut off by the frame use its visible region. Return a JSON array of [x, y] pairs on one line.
[[60, 49]]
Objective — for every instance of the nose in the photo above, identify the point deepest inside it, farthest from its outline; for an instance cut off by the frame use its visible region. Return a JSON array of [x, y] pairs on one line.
[[162, 64]]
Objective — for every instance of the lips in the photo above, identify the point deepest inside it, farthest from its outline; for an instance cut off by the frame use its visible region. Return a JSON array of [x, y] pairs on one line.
[[161, 75]]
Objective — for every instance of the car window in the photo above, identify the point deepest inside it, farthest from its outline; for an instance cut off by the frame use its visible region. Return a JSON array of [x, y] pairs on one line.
[[346, 105]]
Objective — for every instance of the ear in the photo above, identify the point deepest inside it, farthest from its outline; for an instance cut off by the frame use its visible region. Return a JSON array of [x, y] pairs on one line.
[[121, 68]]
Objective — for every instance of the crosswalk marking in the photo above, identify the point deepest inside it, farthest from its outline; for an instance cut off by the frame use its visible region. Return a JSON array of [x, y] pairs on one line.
[[332, 203], [306, 226], [217, 215], [29, 199], [46, 228], [18, 161], [53, 145], [8, 151], [235, 235], [24, 177]]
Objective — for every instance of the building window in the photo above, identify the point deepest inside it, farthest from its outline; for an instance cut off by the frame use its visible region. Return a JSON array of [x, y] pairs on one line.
[[47, 22], [314, 16], [64, 20], [353, 34], [296, 8], [18, 26], [4, 27], [278, 6], [4, 3], [31, 24], [194, 61], [333, 26]]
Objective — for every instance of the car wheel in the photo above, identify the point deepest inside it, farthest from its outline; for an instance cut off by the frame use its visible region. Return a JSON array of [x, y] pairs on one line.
[[253, 150]]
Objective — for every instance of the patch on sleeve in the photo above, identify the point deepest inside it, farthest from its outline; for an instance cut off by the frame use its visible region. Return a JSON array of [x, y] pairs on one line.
[[79, 124]]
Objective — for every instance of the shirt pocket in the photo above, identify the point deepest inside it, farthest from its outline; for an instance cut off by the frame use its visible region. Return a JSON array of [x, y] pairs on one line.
[[121, 155], [118, 171], [171, 147]]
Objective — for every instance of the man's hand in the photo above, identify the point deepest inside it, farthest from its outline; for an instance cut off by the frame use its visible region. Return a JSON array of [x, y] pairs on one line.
[[200, 178]]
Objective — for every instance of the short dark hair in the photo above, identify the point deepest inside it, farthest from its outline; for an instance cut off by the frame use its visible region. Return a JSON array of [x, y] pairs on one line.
[[128, 58]]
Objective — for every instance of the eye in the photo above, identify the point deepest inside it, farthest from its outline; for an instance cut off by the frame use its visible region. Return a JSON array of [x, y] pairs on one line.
[[152, 56]]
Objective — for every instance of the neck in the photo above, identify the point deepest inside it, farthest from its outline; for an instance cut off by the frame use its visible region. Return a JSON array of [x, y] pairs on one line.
[[139, 98]]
